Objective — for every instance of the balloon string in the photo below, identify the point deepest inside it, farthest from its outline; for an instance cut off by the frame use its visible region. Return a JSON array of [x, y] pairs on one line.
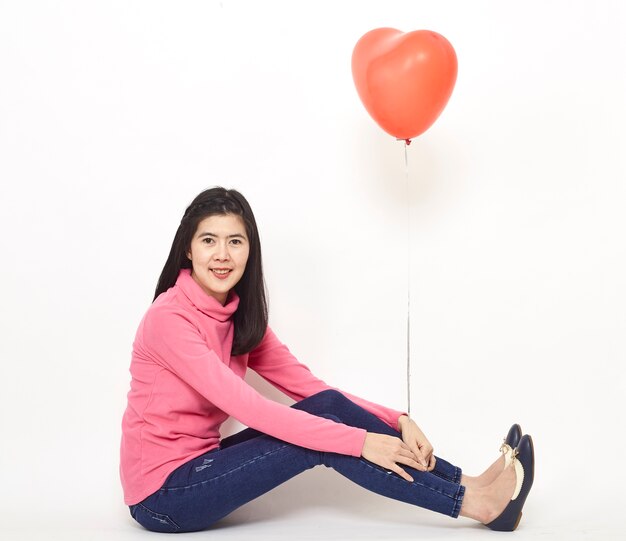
[[407, 142]]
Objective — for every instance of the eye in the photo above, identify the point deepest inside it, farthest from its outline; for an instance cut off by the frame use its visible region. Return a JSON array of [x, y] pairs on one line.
[[207, 240], [236, 241]]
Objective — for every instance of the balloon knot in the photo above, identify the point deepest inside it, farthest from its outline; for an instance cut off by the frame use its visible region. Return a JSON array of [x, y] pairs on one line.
[[407, 141]]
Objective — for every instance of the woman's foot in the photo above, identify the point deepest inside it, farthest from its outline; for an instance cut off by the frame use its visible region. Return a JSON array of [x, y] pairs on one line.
[[492, 472], [523, 462], [485, 503]]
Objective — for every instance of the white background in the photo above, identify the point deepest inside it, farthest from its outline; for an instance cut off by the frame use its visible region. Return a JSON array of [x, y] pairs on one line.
[[114, 115]]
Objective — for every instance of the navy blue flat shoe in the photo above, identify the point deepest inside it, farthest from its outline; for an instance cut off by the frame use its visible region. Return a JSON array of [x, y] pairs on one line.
[[513, 437], [510, 443], [524, 463]]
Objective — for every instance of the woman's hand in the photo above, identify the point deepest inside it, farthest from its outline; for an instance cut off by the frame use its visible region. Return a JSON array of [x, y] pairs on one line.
[[389, 451], [414, 438]]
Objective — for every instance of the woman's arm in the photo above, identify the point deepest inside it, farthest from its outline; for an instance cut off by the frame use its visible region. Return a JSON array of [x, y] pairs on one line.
[[171, 339], [273, 361]]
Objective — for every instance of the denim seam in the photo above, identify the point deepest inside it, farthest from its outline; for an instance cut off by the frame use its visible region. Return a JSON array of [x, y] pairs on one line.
[[458, 502], [254, 459], [458, 475], [150, 512], [398, 478]]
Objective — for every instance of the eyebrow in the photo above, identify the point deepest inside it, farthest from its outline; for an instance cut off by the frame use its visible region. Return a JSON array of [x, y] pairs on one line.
[[233, 236]]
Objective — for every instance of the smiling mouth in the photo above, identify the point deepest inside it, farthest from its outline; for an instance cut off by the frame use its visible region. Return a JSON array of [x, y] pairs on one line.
[[221, 273]]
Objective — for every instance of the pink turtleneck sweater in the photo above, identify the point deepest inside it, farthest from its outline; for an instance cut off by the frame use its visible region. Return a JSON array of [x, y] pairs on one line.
[[185, 384]]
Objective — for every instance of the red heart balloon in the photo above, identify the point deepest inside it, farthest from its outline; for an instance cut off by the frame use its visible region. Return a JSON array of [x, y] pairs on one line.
[[404, 79]]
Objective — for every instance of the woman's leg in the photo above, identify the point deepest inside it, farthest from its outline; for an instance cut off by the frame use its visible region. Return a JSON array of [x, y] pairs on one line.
[[351, 414], [485, 494], [250, 464], [334, 403], [209, 487], [482, 498]]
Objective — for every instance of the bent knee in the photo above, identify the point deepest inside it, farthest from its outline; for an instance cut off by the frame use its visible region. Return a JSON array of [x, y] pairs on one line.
[[327, 401], [331, 396]]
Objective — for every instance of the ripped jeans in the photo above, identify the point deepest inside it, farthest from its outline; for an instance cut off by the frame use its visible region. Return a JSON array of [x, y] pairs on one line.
[[249, 464]]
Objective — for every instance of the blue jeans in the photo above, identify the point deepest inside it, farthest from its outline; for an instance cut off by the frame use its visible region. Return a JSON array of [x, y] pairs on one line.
[[249, 464]]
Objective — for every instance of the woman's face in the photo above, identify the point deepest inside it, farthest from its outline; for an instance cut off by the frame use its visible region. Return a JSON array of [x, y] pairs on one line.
[[219, 253]]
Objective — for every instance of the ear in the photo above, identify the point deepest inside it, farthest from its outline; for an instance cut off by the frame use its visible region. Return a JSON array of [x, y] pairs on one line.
[[189, 256]]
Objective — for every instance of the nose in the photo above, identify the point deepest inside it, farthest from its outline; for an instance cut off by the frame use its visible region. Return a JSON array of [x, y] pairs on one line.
[[221, 252]]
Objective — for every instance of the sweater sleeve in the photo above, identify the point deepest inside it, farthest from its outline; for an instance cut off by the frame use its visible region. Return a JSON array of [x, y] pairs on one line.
[[273, 361], [176, 343]]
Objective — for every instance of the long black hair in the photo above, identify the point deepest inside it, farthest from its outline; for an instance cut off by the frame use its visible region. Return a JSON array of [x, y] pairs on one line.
[[250, 318]]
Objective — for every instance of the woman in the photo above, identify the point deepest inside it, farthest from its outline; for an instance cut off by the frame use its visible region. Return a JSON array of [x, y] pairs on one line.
[[207, 324]]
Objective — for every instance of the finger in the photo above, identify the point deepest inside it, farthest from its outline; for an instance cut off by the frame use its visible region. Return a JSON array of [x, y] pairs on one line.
[[420, 456], [428, 454], [397, 469], [431, 464], [407, 452], [408, 461], [404, 445], [407, 457], [415, 453], [425, 447]]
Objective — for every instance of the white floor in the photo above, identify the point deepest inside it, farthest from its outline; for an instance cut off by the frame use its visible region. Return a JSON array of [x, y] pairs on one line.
[[320, 505]]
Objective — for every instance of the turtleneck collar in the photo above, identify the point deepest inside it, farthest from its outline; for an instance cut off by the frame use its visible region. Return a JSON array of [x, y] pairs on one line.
[[203, 302]]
